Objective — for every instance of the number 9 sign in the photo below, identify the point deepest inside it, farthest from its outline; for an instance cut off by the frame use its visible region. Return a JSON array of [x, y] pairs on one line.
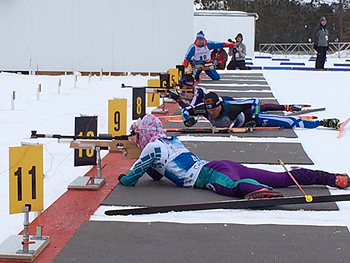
[[117, 117]]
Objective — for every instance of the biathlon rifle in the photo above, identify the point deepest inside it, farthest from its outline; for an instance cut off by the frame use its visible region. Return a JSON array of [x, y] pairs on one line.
[[123, 143], [163, 91], [202, 66]]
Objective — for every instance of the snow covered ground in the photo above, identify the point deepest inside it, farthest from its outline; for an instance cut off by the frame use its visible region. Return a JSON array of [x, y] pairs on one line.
[[54, 112]]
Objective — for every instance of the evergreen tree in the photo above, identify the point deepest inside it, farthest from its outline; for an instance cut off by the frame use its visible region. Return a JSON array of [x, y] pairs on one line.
[[290, 21]]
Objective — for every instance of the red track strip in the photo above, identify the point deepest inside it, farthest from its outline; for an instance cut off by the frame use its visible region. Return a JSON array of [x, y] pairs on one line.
[[66, 214]]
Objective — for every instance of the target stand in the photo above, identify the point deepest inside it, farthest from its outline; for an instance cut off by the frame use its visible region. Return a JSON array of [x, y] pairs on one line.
[[23, 248], [128, 147], [88, 182]]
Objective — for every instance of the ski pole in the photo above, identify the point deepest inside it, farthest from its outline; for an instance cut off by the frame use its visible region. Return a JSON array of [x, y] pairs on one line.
[[308, 198]]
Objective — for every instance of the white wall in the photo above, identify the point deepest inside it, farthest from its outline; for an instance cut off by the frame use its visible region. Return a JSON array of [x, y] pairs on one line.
[[222, 25], [87, 35]]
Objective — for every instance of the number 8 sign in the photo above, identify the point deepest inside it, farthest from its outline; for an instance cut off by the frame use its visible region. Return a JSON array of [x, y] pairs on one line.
[[26, 178]]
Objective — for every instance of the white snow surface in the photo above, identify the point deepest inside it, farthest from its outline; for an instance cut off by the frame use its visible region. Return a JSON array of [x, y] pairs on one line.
[[54, 112]]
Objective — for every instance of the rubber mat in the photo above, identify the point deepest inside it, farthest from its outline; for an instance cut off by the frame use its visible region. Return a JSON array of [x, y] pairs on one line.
[[274, 133], [148, 192], [250, 152], [233, 81], [236, 87], [173, 242], [241, 94]]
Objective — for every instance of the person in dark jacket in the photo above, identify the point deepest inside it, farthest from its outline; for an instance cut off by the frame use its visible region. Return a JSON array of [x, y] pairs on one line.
[[321, 43], [238, 54]]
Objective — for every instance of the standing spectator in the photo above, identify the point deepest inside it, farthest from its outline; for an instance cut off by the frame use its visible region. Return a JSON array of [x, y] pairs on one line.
[[219, 58], [238, 54], [199, 53], [321, 43]]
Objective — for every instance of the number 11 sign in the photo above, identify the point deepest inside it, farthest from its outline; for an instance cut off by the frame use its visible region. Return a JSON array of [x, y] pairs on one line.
[[26, 178]]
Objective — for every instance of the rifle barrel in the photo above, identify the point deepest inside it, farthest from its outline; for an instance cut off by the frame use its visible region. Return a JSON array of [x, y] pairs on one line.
[[36, 135]]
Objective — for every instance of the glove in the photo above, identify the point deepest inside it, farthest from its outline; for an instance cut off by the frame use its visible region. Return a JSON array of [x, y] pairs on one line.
[[120, 176], [190, 122], [185, 63], [229, 44], [174, 96], [250, 125], [230, 40]]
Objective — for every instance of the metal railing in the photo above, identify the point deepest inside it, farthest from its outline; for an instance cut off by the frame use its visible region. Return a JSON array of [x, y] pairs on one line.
[[341, 49]]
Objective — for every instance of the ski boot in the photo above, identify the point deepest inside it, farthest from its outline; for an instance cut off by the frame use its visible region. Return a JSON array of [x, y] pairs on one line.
[[342, 181], [263, 193], [293, 108], [330, 123]]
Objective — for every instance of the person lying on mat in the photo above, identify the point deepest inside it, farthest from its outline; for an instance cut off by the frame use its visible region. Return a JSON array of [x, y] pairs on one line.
[[223, 113], [191, 98], [168, 157]]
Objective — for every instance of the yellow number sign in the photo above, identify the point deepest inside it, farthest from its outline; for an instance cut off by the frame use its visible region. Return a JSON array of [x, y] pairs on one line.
[[117, 117], [26, 178], [174, 76], [152, 98]]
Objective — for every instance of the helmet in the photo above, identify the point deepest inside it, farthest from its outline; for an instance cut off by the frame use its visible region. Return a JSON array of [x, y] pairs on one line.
[[211, 100], [187, 80]]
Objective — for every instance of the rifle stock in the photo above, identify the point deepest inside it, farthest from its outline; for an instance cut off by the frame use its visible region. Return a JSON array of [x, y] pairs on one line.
[[123, 143]]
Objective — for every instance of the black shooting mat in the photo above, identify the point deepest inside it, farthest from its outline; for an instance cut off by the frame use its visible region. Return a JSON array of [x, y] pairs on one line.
[[237, 87], [273, 133], [250, 152], [223, 76], [242, 94], [148, 192], [240, 73], [114, 241], [236, 81]]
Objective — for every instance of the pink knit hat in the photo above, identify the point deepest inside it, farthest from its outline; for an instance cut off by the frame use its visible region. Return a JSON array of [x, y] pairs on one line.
[[150, 129]]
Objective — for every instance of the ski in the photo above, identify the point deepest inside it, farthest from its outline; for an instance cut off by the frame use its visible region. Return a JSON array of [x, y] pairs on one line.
[[231, 204], [306, 111], [304, 105], [342, 126]]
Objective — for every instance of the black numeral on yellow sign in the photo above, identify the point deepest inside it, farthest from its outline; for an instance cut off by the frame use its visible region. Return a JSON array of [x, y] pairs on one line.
[[116, 121], [117, 113], [19, 175], [26, 178]]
